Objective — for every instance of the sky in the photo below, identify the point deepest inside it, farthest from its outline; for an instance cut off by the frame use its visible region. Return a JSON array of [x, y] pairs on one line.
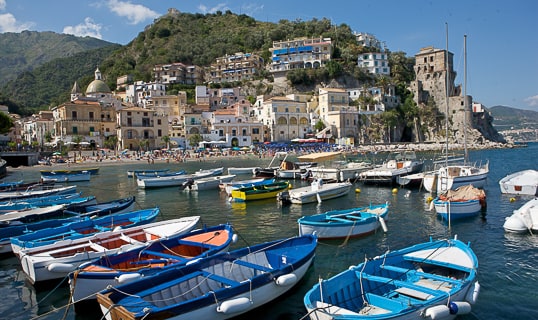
[[502, 40]]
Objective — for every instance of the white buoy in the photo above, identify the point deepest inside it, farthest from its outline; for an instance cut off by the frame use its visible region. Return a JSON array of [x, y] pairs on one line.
[[124, 278], [437, 312], [318, 197], [286, 280], [234, 305], [383, 224], [61, 267]]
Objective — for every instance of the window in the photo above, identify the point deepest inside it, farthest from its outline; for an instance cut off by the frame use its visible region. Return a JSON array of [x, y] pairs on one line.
[[129, 134], [255, 130], [73, 114], [91, 115], [234, 132], [159, 121], [92, 129], [128, 113], [75, 130], [159, 133]]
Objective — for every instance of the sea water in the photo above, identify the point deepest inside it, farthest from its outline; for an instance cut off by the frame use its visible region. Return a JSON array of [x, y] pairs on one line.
[[508, 263]]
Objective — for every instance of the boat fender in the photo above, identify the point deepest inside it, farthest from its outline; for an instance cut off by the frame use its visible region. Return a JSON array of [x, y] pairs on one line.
[[60, 267], [128, 277], [286, 280], [459, 307], [437, 312], [234, 305], [117, 228], [234, 238], [472, 295], [383, 224], [351, 267]]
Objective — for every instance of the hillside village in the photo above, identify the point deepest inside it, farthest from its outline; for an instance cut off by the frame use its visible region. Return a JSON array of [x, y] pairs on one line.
[[140, 115]]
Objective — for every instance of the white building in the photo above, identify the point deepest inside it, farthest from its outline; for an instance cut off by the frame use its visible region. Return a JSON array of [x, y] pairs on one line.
[[141, 93], [374, 62]]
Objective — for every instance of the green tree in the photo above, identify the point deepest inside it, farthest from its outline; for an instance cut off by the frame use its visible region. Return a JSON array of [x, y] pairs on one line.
[[166, 140], [111, 142], [195, 139], [5, 123], [319, 125]]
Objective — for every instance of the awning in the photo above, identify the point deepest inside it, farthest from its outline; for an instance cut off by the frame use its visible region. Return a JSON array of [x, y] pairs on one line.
[[319, 156]]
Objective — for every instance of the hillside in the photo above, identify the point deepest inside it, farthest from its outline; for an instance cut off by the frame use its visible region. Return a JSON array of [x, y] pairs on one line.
[[507, 117], [50, 83], [28, 50], [199, 39]]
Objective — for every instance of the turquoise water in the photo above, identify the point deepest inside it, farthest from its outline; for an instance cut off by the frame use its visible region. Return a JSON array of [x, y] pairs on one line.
[[508, 263]]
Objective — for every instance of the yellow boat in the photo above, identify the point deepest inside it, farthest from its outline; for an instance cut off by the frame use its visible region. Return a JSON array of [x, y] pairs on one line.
[[259, 192]]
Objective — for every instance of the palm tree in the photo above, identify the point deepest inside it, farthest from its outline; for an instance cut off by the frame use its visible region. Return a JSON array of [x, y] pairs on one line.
[[166, 140]]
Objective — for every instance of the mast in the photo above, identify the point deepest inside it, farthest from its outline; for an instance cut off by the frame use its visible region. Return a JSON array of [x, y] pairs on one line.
[[446, 95], [465, 106]]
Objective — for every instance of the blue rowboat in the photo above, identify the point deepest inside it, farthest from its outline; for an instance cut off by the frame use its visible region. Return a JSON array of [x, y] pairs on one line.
[[345, 223], [121, 205], [221, 286], [82, 229], [124, 267], [431, 280]]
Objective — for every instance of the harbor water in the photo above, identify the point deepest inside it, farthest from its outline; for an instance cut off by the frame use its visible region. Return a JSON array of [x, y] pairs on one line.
[[508, 263]]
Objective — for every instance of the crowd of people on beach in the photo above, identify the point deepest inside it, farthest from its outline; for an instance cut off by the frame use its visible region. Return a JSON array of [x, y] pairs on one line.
[[262, 150]]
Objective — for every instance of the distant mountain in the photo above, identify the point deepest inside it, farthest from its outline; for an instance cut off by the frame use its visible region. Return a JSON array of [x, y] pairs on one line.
[[25, 51], [50, 84], [508, 117]]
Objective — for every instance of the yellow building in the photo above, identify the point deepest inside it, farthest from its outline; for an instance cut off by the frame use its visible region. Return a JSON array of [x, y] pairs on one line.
[[140, 128], [336, 113]]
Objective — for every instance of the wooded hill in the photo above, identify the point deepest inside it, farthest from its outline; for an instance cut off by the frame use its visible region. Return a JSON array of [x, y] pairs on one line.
[[192, 39]]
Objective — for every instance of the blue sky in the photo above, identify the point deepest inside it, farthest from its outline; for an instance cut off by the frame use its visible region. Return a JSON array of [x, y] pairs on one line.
[[502, 44]]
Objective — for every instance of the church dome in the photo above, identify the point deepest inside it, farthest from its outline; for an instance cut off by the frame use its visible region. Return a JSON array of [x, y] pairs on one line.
[[97, 86]]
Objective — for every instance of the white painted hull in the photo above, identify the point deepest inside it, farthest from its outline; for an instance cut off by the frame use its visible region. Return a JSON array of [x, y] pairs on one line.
[[329, 232], [245, 170], [457, 209], [325, 192], [57, 260], [440, 182], [523, 182], [210, 183]]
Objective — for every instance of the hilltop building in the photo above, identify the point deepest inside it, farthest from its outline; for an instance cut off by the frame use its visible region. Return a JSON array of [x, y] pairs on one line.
[[300, 53], [237, 67], [178, 72]]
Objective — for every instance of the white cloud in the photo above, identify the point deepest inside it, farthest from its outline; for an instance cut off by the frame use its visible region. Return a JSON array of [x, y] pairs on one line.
[[532, 101], [87, 28], [135, 13], [2, 4], [8, 23], [218, 7], [251, 9]]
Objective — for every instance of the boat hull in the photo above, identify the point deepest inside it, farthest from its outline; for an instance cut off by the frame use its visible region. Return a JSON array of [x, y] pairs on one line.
[[523, 182], [355, 222], [453, 177], [452, 210], [313, 194], [57, 260]]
